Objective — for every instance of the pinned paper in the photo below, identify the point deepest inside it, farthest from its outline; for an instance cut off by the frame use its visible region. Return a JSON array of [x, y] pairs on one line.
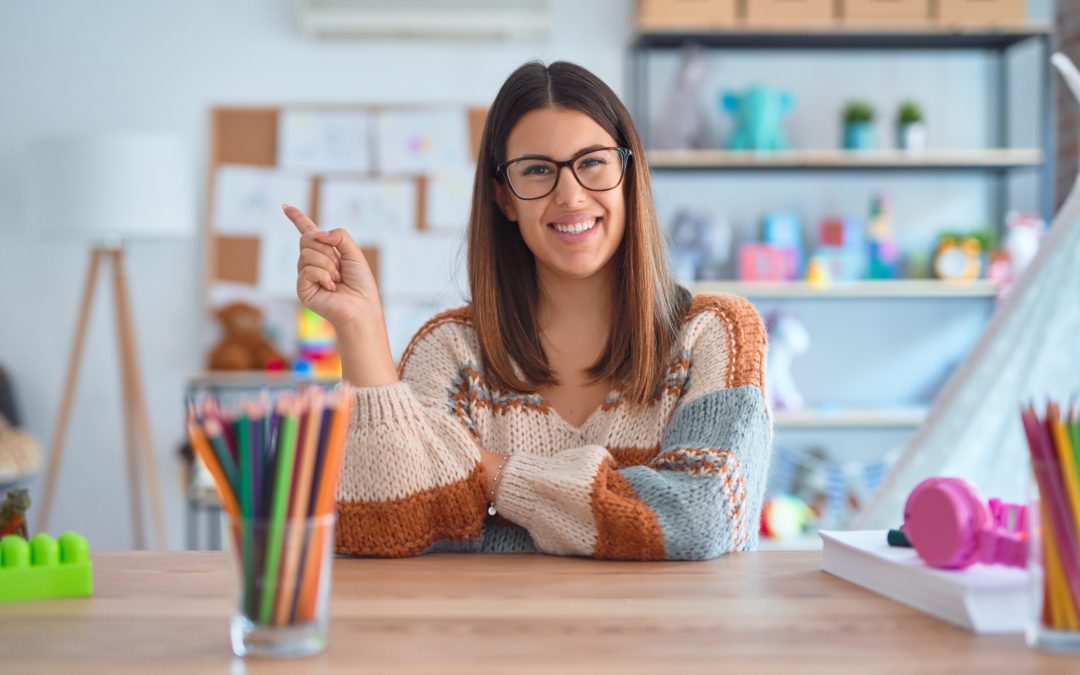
[[422, 141], [324, 141], [278, 254], [429, 266], [448, 199], [248, 199], [371, 210]]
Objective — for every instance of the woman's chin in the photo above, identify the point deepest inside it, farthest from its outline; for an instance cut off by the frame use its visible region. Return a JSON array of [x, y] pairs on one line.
[[579, 270]]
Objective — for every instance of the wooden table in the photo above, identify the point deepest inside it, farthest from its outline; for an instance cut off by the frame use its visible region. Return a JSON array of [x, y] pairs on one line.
[[162, 613]]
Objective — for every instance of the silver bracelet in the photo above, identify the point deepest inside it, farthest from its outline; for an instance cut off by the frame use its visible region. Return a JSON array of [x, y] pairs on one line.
[[494, 484]]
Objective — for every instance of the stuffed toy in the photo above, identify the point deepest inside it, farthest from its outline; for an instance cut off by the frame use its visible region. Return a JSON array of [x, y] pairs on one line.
[[243, 345]]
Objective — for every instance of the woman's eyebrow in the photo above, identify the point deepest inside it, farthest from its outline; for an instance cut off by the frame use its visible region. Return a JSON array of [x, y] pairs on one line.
[[577, 154]]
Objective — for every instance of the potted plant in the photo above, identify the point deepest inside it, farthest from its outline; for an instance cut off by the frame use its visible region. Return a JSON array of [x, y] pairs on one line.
[[858, 125], [910, 127]]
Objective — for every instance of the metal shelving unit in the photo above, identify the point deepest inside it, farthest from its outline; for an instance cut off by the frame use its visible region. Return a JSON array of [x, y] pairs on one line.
[[998, 161]]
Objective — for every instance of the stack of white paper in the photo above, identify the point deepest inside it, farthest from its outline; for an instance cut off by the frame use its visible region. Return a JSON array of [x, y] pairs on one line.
[[982, 598]]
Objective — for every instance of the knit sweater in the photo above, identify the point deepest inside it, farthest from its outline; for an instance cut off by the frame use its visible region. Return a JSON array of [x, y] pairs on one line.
[[682, 477]]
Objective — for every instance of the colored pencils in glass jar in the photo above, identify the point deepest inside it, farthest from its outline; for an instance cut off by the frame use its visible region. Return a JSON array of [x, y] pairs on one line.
[[275, 466], [1054, 443]]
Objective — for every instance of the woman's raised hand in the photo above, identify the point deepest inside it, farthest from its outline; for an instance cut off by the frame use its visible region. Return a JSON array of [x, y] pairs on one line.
[[333, 278]]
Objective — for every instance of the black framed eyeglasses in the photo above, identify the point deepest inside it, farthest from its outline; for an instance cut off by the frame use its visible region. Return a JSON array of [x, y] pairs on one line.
[[536, 176]]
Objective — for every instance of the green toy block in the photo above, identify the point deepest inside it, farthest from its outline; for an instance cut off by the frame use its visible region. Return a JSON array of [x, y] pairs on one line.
[[44, 567]]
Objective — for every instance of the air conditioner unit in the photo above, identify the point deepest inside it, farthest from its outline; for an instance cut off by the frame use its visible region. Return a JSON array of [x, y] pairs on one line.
[[438, 19]]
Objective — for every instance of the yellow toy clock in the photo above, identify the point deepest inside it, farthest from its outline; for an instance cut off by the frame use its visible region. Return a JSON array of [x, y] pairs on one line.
[[958, 258]]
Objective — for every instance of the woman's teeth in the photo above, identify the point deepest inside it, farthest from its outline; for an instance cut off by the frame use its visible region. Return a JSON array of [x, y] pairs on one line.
[[575, 228]]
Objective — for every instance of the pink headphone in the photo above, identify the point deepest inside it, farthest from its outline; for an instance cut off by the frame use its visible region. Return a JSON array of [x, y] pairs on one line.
[[950, 526]]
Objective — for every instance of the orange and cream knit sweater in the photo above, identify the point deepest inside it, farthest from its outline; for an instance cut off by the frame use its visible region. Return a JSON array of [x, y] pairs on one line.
[[681, 478]]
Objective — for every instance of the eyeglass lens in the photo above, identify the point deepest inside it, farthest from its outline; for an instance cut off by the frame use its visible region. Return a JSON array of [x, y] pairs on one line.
[[534, 178]]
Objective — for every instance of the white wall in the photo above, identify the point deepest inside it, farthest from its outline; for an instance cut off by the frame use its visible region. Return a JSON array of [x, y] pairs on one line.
[[74, 66]]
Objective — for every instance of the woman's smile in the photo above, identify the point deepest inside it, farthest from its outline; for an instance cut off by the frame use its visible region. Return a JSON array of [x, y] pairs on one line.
[[575, 228]]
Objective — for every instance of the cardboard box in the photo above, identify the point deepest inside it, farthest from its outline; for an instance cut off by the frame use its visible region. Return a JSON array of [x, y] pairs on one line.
[[980, 12], [885, 13], [790, 13], [686, 14]]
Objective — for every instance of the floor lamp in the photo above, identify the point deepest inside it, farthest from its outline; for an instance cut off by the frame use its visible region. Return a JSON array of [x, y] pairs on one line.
[[110, 190]]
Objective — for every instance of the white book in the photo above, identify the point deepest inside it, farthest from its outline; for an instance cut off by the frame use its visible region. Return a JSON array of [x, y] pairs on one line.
[[981, 598]]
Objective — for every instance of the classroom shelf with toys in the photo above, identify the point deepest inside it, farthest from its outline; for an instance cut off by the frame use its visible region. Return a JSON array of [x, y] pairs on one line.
[[894, 297], [996, 41]]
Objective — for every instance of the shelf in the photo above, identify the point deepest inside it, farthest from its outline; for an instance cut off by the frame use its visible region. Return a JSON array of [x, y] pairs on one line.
[[999, 159], [924, 37], [906, 288], [883, 418]]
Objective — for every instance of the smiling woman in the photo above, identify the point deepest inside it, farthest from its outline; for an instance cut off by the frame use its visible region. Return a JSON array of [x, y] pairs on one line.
[[581, 396]]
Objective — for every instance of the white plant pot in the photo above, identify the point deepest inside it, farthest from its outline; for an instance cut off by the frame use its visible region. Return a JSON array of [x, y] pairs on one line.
[[912, 137]]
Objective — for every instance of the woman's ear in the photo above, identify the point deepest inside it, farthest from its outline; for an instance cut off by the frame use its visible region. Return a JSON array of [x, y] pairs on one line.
[[504, 200]]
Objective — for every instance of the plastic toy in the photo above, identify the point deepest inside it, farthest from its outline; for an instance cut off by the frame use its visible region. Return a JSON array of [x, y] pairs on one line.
[[13, 513], [883, 252], [1022, 238], [700, 246], [784, 516], [958, 258], [759, 112], [783, 230], [842, 247], [316, 341], [685, 123], [788, 338], [817, 272], [45, 567], [761, 262], [951, 527]]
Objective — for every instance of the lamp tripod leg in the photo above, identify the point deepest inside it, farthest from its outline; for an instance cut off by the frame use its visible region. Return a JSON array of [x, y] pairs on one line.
[[68, 396], [140, 438]]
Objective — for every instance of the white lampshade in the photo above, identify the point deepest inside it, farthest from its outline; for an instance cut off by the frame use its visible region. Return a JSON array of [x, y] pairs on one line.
[[130, 185]]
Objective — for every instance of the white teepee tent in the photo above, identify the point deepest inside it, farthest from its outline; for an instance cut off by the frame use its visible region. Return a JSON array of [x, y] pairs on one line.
[[1030, 350]]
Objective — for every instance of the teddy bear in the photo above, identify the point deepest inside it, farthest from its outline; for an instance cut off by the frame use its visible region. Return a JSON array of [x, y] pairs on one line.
[[243, 345]]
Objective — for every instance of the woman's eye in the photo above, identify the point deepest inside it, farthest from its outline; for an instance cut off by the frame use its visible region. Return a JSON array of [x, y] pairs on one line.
[[590, 163], [536, 170]]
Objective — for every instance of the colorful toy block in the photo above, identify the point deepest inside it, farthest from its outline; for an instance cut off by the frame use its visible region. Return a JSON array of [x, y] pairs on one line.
[[44, 567], [761, 262]]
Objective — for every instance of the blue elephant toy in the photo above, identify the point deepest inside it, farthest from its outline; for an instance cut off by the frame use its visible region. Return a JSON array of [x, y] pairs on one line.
[[758, 113]]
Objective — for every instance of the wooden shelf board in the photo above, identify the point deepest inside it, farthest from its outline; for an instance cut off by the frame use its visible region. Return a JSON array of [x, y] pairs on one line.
[[900, 418], [977, 159], [906, 288]]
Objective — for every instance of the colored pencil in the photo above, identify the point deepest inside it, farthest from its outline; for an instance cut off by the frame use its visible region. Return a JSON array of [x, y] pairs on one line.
[[278, 508], [275, 466], [201, 446], [215, 431], [324, 501], [1055, 468], [298, 506]]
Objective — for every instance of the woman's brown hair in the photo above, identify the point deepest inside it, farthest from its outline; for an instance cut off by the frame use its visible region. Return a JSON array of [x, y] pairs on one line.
[[647, 306]]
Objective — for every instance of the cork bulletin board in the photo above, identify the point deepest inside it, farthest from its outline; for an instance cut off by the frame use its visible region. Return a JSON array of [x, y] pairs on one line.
[[248, 136]]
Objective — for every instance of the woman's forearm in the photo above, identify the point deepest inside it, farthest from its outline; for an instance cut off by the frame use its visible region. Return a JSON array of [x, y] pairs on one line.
[[366, 360]]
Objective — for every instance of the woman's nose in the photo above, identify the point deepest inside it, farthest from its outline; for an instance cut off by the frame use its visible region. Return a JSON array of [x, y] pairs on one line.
[[568, 191]]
